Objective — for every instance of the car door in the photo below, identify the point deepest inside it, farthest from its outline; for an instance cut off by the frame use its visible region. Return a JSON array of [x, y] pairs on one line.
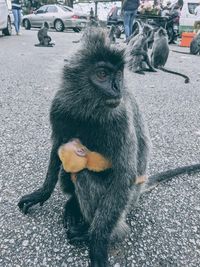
[[188, 17], [37, 18], [3, 14], [51, 14]]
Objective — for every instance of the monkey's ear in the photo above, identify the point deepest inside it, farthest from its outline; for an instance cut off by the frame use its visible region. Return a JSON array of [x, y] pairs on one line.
[[81, 151]]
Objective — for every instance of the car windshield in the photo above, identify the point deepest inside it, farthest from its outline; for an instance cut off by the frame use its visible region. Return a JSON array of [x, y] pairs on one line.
[[191, 7], [66, 9]]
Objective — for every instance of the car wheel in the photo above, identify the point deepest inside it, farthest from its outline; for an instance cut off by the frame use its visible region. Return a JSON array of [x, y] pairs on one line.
[[76, 29], [170, 33], [8, 30], [117, 32], [59, 25], [27, 24], [121, 27]]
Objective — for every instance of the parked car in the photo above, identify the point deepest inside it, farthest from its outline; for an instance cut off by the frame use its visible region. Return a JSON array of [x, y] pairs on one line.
[[57, 16], [6, 17], [115, 18], [188, 18]]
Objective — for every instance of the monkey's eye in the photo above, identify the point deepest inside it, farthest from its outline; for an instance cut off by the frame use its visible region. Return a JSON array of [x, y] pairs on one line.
[[102, 75]]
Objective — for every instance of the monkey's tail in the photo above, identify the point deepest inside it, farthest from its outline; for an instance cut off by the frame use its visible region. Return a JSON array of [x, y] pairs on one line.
[[157, 178], [187, 79], [180, 52]]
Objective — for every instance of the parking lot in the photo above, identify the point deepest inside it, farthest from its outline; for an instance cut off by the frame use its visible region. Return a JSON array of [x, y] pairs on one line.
[[165, 229]]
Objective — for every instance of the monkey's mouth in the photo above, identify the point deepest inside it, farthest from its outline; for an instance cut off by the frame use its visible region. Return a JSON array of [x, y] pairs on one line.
[[113, 103]]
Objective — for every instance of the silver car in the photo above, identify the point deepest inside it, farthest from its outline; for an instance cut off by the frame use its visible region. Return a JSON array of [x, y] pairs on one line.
[[57, 16]]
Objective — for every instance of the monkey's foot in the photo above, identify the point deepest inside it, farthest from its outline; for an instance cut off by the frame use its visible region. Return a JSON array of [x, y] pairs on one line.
[[98, 252], [27, 201], [150, 70], [49, 45], [140, 72], [78, 233]]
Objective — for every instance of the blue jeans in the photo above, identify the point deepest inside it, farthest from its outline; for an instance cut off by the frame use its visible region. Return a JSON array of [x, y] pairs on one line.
[[129, 17], [17, 19]]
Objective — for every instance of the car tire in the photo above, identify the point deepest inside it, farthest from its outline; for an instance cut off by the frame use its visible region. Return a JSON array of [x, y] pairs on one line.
[[170, 33], [117, 32], [27, 24], [121, 26], [76, 29], [59, 25], [8, 29]]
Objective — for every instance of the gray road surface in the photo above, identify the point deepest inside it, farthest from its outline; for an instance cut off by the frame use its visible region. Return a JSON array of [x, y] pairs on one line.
[[165, 227]]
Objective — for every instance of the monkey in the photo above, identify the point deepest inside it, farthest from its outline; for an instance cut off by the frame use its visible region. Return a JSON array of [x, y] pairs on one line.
[[100, 110], [194, 46], [92, 23], [76, 157], [43, 37], [160, 53], [147, 30], [117, 31], [111, 34], [137, 52]]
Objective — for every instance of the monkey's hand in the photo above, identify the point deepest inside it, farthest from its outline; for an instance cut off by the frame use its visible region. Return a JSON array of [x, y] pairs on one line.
[[38, 196]]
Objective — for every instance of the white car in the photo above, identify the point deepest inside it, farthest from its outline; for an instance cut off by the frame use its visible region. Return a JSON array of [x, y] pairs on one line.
[[188, 18], [57, 16], [6, 17]]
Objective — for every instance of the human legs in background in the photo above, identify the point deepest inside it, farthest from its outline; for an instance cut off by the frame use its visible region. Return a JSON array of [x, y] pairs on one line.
[[132, 18], [17, 19], [129, 17]]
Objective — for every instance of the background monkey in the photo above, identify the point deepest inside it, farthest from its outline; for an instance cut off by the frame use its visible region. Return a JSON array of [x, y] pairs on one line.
[[160, 53], [97, 106], [43, 37], [137, 52], [111, 34]]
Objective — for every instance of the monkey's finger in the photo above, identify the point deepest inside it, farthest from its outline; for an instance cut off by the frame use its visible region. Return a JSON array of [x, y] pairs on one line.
[[27, 206]]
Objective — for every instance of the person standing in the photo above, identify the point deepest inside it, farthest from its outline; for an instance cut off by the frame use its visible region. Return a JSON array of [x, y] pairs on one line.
[[129, 8], [16, 10]]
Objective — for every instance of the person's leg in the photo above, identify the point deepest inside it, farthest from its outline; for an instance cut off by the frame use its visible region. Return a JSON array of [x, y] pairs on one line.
[[14, 11], [127, 23], [19, 19], [131, 21]]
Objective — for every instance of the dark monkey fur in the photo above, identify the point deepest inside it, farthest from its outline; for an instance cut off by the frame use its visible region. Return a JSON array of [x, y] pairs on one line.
[[100, 110], [160, 53], [137, 52], [43, 37]]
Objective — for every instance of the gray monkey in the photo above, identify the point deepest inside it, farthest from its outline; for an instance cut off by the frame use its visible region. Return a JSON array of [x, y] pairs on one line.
[[160, 53], [100, 110], [137, 51], [43, 37], [111, 34]]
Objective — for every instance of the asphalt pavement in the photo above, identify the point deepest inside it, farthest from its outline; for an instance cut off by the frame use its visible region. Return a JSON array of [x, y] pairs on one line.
[[165, 226]]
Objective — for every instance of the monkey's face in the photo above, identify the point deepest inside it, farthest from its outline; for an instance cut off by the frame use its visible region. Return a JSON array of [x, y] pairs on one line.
[[107, 79]]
